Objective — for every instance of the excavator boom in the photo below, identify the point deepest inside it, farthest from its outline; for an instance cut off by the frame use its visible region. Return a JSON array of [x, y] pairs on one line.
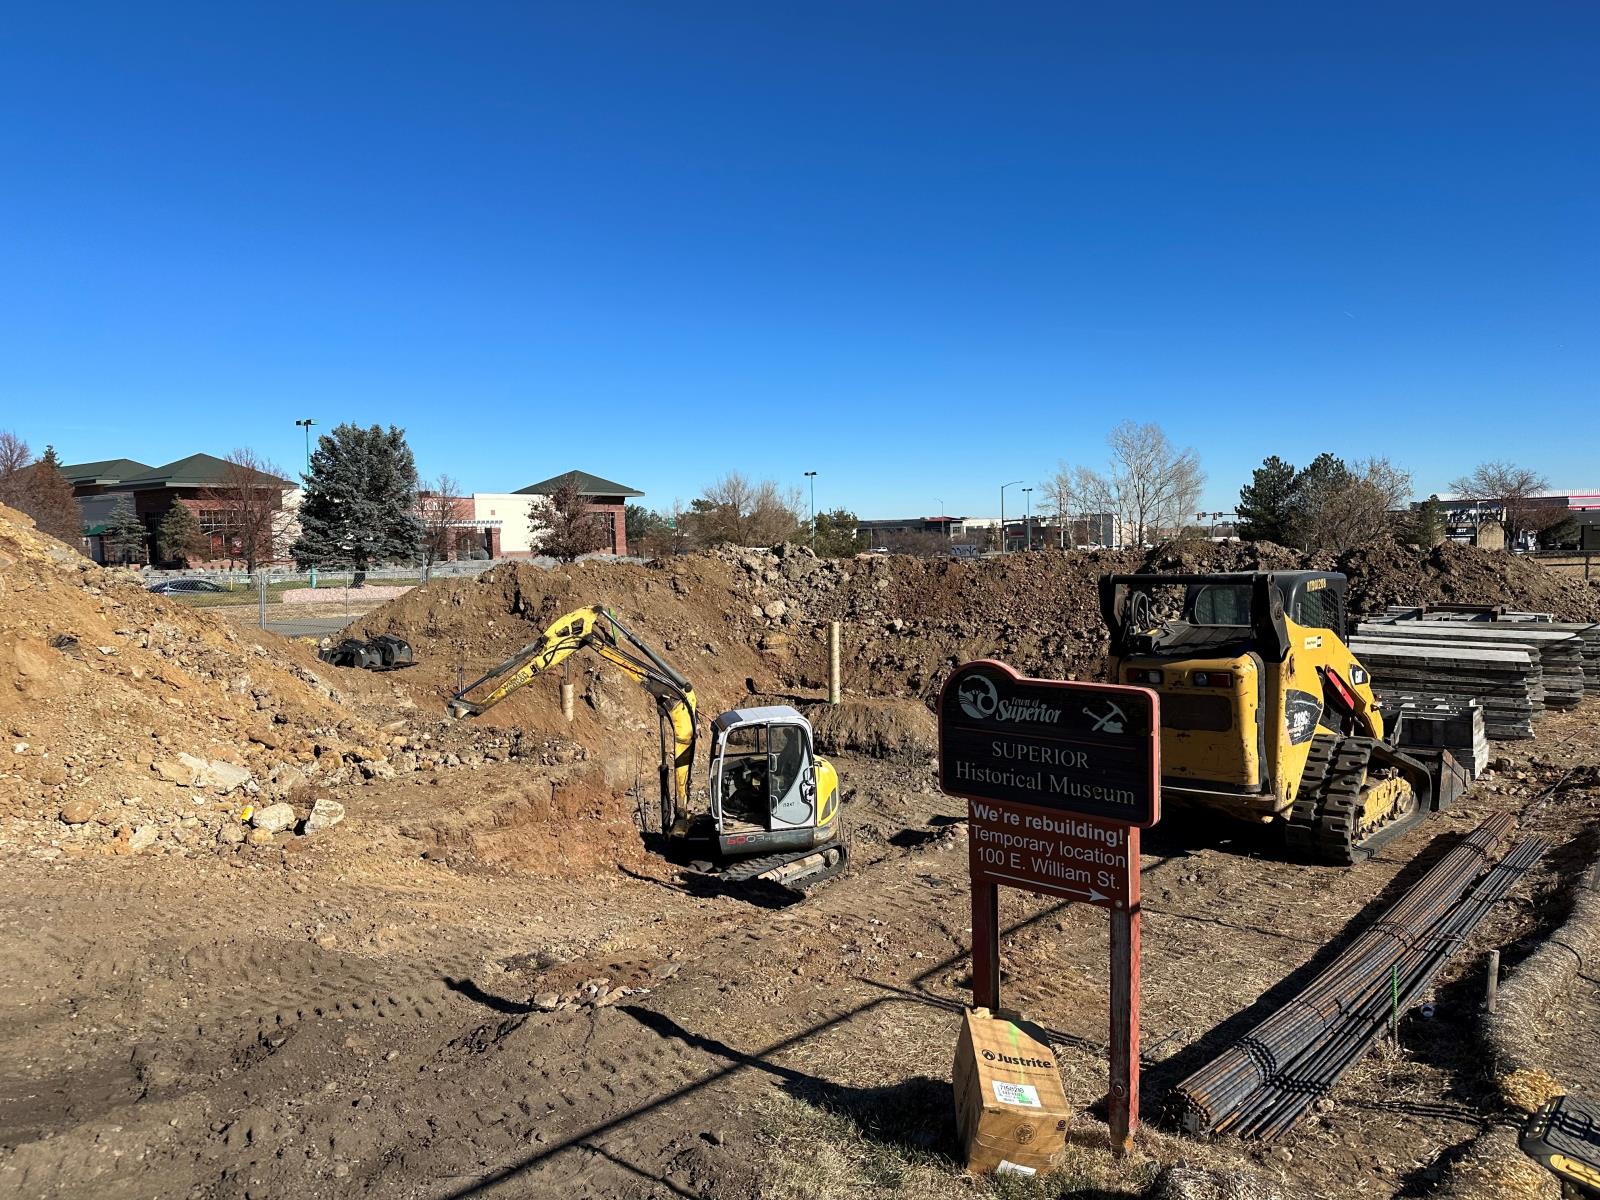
[[597, 629]]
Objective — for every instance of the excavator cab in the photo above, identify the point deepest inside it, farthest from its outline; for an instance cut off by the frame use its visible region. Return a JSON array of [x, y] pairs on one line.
[[767, 784]]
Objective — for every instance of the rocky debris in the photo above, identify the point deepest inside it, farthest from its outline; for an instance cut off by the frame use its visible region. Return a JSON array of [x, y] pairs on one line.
[[77, 812], [325, 814], [130, 840], [231, 834], [189, 770], [547, 1001], [274, 818], [259, 837]]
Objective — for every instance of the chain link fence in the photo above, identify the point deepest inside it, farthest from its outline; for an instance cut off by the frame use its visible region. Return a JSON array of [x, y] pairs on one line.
[[310, 604]]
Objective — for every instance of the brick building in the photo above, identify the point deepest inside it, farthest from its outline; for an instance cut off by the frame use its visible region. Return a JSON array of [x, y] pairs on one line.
[[213, 488]]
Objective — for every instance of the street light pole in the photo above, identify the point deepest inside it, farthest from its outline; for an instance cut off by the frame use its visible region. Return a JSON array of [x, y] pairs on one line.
[[942, 524], [1003, 488], [306, 425], [1027, 521], [812, 476]]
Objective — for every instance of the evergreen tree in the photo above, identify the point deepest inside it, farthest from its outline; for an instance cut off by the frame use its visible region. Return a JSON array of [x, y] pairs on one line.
[[179, 537], [1314, 491], [1427, 523], [123, 536], [50, 502], [1266, 503], [837, 536], [360, 500]]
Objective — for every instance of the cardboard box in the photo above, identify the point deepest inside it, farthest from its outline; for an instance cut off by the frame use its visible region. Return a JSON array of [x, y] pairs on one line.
[[1011, 1110]]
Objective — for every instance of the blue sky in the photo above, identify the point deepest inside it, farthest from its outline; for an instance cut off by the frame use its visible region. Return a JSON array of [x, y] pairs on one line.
[[920, 248]]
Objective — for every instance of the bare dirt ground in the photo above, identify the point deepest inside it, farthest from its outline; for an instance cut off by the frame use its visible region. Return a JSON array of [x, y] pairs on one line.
[[481, 983], [357, 1019]]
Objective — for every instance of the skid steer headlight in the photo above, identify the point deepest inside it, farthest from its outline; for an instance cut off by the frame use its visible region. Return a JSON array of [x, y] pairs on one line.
[[1213, 679], [1145, 676]]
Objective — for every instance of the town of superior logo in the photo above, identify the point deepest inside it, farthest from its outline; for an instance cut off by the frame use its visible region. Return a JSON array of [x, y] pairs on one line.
[[978, 697]]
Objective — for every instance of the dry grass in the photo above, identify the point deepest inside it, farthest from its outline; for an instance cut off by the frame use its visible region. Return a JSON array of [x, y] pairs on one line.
[[905, 1153]]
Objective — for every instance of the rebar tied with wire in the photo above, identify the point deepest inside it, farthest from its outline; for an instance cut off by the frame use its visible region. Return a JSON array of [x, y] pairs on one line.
[[1261, 1084]]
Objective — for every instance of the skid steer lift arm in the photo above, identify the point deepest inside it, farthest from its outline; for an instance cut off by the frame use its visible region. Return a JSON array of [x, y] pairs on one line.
[[596, 629]]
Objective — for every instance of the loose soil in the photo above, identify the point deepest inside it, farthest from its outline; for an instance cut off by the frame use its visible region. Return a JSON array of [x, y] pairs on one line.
[[481, 983]]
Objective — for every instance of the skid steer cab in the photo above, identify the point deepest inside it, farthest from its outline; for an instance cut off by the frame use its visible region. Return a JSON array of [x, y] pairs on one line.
[[770, 792]]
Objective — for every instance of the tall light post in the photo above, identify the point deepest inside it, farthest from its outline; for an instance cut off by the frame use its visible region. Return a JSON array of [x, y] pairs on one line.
[[1027, 521], [942, 524], [1003, 488], [812, 476], [306, 425]]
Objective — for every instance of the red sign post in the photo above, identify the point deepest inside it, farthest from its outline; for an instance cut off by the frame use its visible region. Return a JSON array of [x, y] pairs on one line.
[[1059, 778]]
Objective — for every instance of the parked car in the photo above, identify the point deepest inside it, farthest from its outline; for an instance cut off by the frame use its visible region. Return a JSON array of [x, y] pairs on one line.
[[185, 587]]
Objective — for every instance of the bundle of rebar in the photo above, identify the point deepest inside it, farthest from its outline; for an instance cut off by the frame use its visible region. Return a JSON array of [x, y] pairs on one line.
[[1263, 1083]]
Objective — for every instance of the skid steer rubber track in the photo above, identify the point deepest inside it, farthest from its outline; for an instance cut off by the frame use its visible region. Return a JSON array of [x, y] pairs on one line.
[[1325, 822]]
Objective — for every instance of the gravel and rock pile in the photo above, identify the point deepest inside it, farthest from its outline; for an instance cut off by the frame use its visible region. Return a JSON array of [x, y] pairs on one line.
[[132, 724]]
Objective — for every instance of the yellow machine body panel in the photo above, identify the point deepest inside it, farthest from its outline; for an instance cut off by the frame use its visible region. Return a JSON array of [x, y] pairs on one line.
[[1202, 721], [827, 797]]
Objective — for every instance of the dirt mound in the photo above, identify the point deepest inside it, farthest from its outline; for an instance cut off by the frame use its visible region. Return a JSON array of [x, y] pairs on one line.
[[894, 729], [134, 722], [1391, 573], [741, 621]]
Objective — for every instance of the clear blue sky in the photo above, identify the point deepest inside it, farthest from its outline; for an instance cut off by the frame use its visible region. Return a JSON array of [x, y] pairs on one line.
[[920, 248]]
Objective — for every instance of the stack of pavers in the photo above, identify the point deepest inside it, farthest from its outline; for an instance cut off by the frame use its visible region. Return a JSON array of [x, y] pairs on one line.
[[1507, 682], [1446, 660], [1587, 632]]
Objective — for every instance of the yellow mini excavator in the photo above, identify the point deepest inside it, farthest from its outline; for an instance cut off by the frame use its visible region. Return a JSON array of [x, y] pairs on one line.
[[1266, 714], [773, 808]]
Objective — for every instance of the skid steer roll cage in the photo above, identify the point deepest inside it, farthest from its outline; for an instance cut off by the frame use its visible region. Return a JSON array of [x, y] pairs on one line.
[[1268, 630]]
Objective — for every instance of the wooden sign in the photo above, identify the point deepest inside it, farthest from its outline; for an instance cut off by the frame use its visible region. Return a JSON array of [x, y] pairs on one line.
[[1084, 748], [1059, 778]]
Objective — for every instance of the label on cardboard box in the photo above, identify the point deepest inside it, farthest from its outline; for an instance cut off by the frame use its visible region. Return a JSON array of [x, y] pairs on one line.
[[1016, 1093], [1011, 1168]]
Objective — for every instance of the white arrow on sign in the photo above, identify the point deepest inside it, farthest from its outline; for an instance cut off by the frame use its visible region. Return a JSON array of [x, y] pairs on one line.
[[1092, 896]]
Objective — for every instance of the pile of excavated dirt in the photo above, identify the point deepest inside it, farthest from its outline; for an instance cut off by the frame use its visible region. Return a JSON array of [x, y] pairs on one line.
[[1391, 573], [132, 723], [744, 621]]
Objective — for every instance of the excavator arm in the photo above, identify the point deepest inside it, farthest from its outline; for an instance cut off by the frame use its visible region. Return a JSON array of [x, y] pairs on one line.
[[597, 629]]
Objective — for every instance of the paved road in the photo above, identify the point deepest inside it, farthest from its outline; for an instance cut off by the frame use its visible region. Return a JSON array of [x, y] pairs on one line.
[[305, 626]]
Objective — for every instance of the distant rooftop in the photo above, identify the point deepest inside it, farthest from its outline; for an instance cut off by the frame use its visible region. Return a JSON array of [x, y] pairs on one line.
[[107, 470], [588, 485], [198, 470]]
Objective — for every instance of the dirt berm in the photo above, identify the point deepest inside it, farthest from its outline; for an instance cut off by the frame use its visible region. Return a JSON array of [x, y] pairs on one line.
[[134, 723], [744, 622]]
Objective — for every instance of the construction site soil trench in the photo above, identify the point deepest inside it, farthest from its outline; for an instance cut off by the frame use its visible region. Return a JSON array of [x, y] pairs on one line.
[[481, 982]]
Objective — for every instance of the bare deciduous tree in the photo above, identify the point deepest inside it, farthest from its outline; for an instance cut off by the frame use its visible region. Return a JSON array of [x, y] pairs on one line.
[[1150, 485], [567, 526], [1513, 489], [245, 505], [744, 513], [436, 507], [1356, 508], [15, 458]]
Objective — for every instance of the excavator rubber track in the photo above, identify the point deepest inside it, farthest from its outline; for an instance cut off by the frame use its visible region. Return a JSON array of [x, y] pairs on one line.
[[832, 857], [1324, 823]]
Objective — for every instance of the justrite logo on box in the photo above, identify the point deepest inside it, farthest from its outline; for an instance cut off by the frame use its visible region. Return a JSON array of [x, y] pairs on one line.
[[1013, 1061]]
